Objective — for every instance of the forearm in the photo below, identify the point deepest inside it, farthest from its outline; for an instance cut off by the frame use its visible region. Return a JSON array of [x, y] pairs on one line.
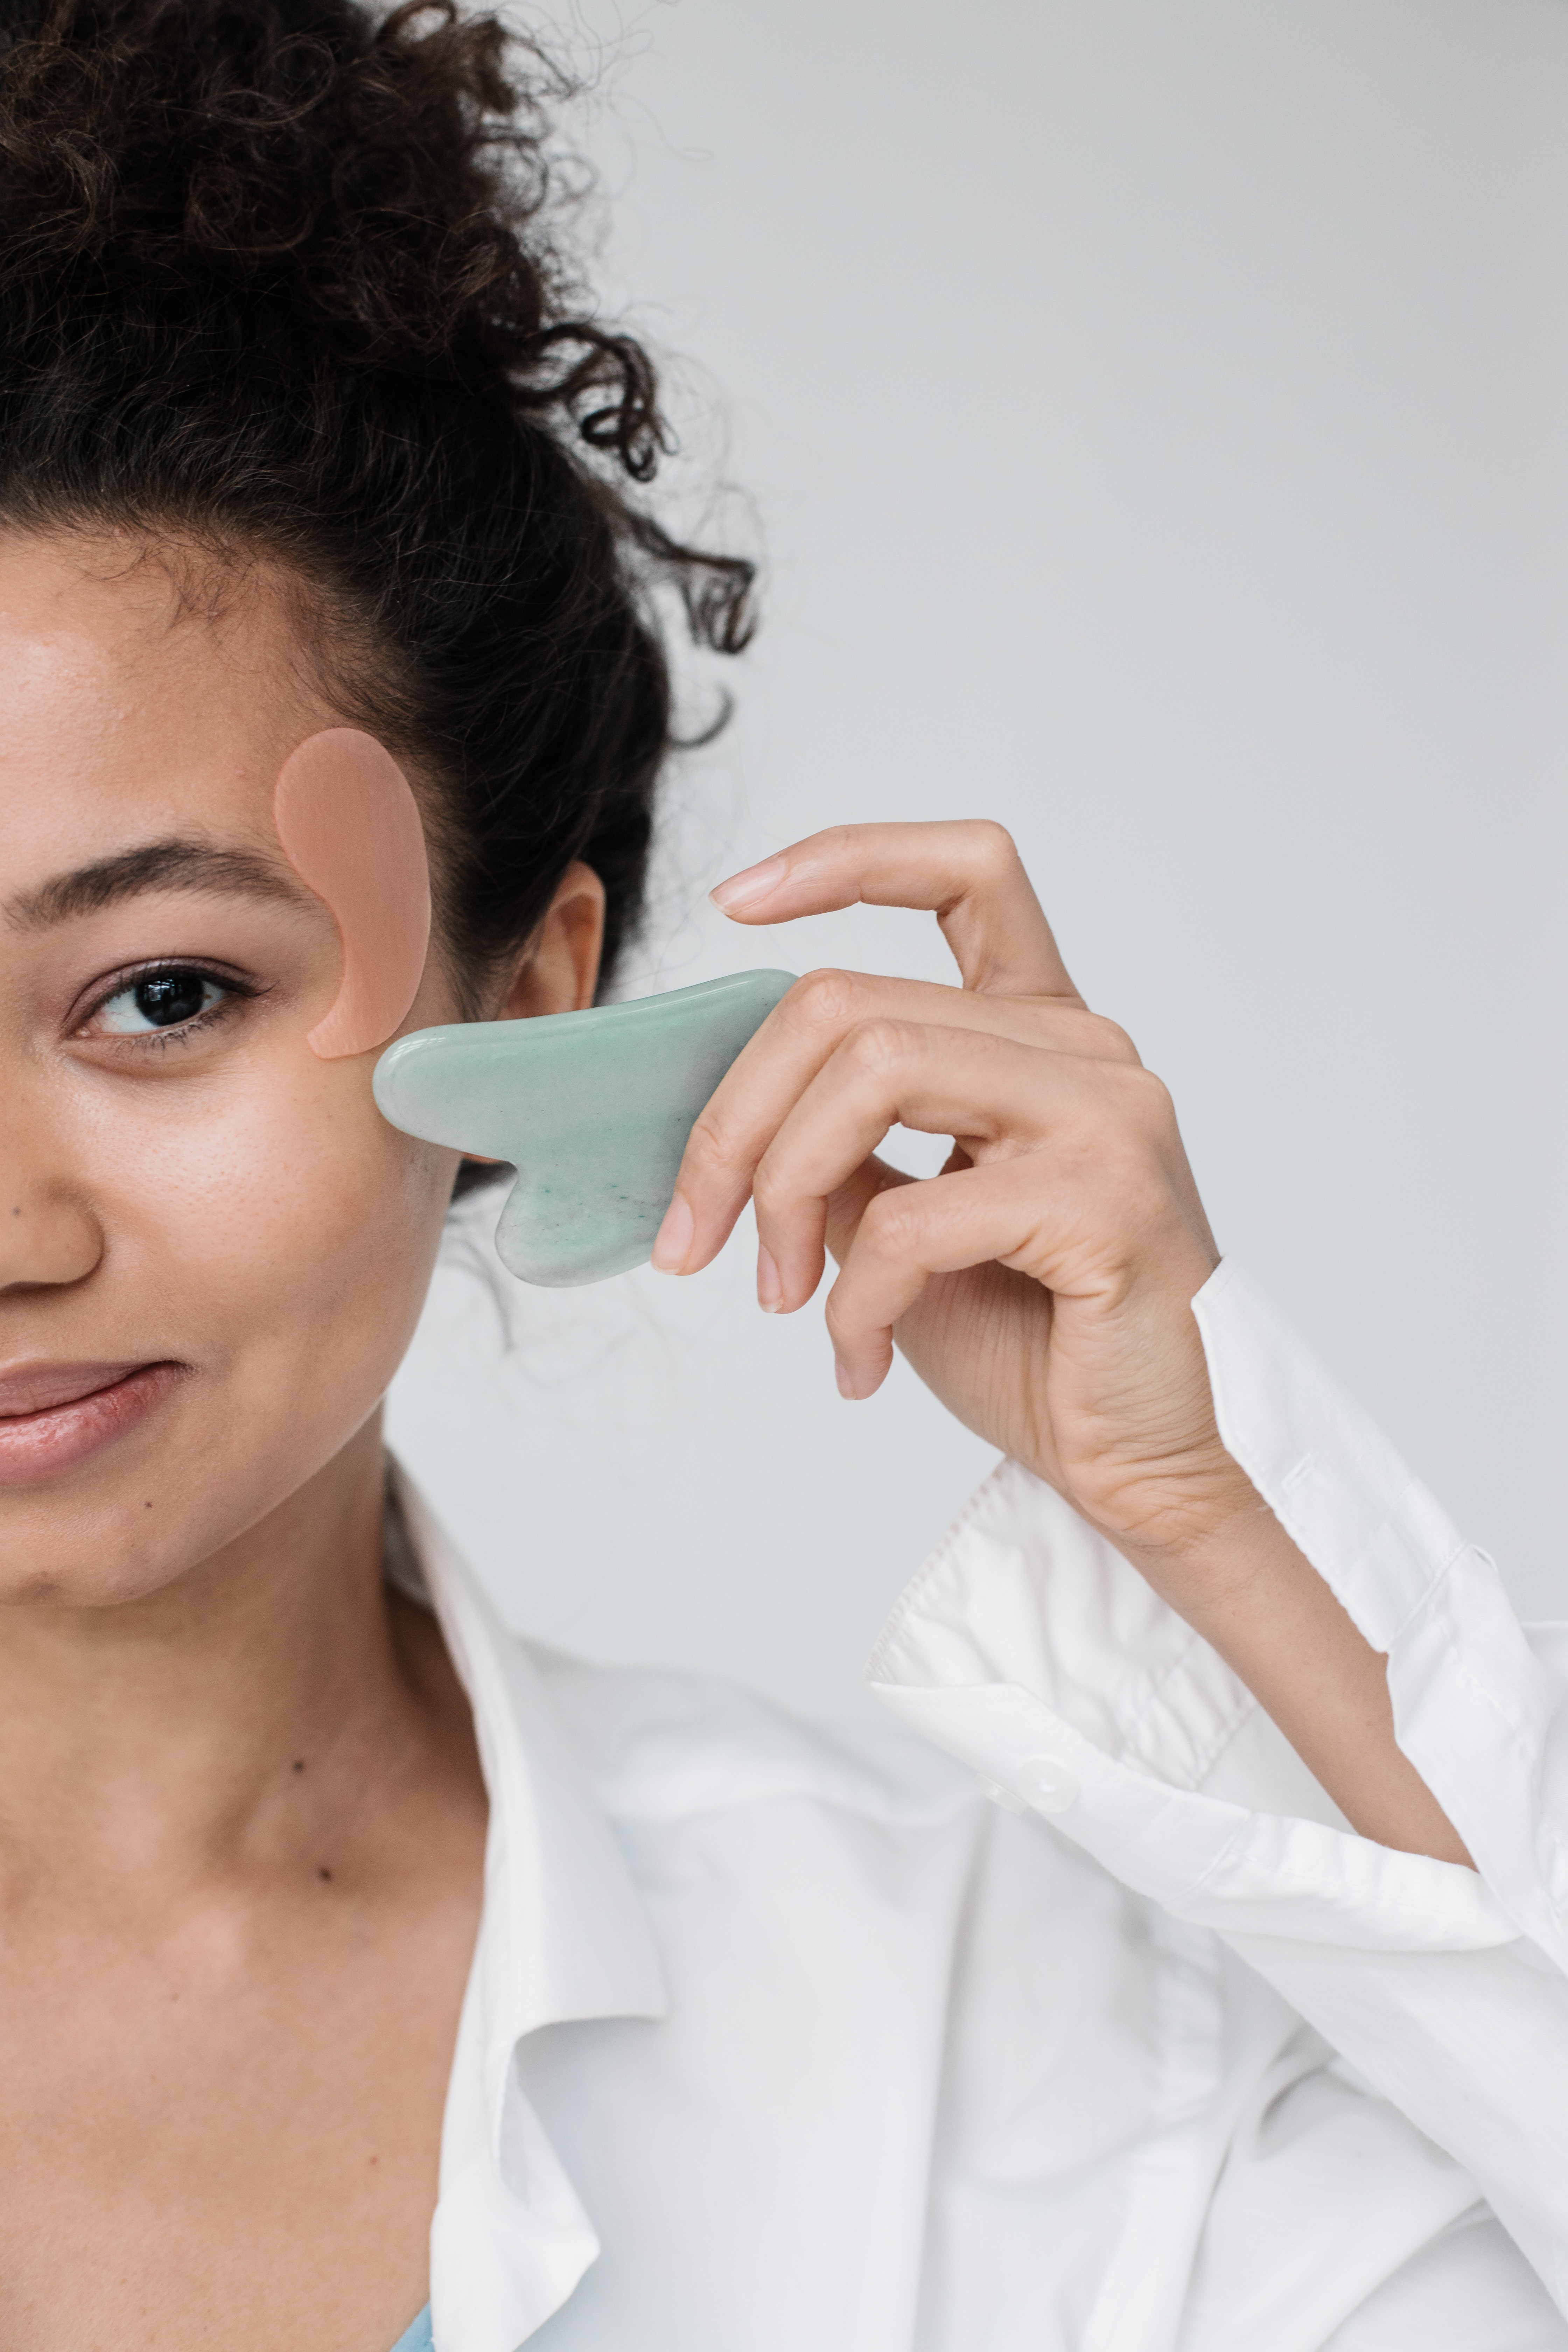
[[1256, 1599]]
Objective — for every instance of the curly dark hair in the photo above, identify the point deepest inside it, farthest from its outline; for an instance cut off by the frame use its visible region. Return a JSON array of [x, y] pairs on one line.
[[278, 277]]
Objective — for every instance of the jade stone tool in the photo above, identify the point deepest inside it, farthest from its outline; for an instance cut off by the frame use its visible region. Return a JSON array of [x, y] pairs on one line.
[[592, 1109]]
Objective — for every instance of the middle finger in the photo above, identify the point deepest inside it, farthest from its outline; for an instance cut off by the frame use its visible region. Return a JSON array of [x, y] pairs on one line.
[[988, 1091], [796, 1041]]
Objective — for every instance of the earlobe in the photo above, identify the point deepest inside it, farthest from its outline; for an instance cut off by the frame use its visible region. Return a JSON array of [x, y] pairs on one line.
[[559, 971]]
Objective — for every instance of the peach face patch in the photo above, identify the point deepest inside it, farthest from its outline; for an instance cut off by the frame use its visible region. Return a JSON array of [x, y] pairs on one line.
[[349, 827]]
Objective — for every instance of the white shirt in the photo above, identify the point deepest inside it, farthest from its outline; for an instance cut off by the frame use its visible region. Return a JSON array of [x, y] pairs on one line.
[[779, 2041]]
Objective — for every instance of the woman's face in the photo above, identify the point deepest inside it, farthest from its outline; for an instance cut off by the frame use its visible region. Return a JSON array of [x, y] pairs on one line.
[[203, 1226]]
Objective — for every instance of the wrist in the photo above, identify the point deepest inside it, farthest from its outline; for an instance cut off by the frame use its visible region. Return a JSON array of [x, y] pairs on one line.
[[1212, 1547]]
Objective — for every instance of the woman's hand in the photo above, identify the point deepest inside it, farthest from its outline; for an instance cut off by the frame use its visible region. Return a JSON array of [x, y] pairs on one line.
[[1042, 1284]]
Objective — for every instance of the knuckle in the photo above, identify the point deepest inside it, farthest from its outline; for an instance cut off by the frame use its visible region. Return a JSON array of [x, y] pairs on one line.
[[991, 841], [773, 1188], [1066, 1027], [827, 998], [1153, 1106], [841, 1324], [713, 1149], [989, 846], [1125, 1143], [874, 1045], [1112, 1042], [893, 1222]]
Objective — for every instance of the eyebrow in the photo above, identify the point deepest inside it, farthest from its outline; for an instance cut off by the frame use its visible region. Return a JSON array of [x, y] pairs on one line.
[[175, 865]]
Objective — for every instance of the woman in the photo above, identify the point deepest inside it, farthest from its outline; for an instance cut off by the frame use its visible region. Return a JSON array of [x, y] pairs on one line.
[[356, 1953]]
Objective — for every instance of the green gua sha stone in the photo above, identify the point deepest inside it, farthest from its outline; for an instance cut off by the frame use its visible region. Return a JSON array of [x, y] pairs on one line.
[[592, 1109]]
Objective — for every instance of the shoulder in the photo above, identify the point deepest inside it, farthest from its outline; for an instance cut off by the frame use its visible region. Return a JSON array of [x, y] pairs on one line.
[[660, 1746]]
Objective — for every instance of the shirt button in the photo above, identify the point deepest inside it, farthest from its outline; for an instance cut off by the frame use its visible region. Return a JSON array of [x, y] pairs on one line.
[[1003, 1797], [1046, 1785]]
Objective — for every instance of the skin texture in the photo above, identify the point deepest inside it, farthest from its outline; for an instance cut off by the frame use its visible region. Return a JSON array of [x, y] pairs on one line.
[[350, 828], [241, 1818], [1042, 1285]]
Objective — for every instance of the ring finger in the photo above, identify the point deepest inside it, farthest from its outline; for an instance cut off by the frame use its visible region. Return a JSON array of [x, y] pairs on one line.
[[908, 1235], [980, 1089]]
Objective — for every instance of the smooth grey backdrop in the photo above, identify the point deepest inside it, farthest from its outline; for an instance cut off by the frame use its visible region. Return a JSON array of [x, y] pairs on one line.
[[1156, 416]]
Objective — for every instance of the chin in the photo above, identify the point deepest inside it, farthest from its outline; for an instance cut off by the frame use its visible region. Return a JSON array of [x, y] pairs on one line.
[[135, 1519], [72, 1575]]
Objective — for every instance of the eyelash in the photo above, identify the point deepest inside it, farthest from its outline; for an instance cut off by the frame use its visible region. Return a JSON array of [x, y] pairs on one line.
[[235, 993]]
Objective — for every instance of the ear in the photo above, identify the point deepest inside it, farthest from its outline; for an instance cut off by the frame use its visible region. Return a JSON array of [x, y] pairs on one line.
[[559, 968]]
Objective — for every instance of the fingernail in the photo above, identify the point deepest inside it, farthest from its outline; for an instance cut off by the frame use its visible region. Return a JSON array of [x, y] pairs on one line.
[[770, 1289], [846, 1385], [744, 888], [672, 1243]]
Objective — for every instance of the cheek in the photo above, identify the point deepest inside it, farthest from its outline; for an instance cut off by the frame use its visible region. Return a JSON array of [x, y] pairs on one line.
[[266, 1227], [270, 1230], [276, 1225]]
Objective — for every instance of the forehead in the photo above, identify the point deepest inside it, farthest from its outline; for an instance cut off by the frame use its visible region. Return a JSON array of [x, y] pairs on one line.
[[140, 690]]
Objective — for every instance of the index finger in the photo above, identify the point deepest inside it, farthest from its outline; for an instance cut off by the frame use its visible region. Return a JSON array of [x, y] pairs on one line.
[[966, 872]]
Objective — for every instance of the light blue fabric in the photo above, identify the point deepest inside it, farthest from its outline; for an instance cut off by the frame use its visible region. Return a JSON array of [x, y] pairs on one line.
[[418, 2337]]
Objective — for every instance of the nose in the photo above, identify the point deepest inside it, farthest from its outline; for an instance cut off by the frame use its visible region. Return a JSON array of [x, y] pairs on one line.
[[49, 1234], [46, 1237]]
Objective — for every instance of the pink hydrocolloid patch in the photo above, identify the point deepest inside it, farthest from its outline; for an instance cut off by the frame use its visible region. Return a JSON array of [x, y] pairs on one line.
[[349, 827]]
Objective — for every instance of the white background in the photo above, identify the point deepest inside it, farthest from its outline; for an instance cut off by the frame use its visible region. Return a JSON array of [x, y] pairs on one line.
[[1157, 420]]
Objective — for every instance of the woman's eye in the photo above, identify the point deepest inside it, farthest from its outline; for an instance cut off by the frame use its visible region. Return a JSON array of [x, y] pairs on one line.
[[162, 1001]]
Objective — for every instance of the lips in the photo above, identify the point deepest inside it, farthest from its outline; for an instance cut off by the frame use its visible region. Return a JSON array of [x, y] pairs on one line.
[[54, 1416]]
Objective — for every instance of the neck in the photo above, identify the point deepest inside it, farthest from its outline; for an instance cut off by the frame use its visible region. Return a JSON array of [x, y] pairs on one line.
[[207, 1724]]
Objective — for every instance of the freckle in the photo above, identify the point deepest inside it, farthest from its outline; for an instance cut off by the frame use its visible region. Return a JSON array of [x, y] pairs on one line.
[[299, 1763], [323, 1874]]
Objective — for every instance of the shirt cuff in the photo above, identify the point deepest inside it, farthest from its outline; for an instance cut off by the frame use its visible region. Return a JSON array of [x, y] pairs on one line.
[[1031, 1650]]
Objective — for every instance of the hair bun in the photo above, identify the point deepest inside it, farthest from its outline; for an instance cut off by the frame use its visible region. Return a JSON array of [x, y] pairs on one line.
[[384, 185], [275, 276]]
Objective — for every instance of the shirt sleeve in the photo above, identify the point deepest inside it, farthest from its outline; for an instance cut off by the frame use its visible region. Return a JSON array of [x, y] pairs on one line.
[[1032, 1651]]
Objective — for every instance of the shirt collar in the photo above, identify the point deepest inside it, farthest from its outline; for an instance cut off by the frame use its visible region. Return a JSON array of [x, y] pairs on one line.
[[563, 1937]]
